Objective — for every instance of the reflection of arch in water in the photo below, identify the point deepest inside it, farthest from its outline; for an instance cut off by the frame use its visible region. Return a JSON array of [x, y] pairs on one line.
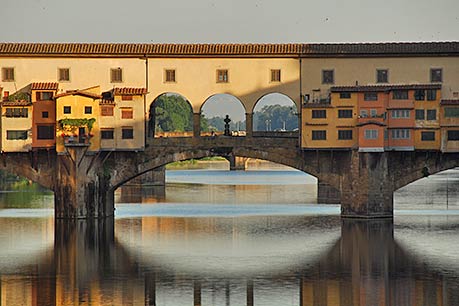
[[281, 113], [218, 106], [179, 111]]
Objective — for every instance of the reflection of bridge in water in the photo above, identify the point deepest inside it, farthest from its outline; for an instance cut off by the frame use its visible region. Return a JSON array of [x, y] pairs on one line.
[[364, 266]]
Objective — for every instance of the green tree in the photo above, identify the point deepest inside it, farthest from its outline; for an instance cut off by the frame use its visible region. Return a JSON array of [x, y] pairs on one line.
[[275, 117], [171, 113]]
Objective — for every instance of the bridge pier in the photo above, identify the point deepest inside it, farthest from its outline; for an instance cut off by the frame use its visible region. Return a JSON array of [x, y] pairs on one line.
[[367, 187], [82, 189], [237, 162], [327, 193]]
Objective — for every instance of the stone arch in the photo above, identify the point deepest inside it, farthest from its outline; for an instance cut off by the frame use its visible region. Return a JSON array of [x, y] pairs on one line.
[[152, 122], [286, 117], [229, 105]]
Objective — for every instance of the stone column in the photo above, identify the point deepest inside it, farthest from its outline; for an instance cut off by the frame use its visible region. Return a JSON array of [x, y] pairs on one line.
[[237, 162], [81, 191], [196, 125], [248, 124], [367, 189], [327, 194]]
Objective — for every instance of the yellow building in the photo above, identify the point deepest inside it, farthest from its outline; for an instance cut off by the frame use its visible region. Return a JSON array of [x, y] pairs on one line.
[[16, 123], [449, 122], [121, 121], [77, 119], [427, 134]]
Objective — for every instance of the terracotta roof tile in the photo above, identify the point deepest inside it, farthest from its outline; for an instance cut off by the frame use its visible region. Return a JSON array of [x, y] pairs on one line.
[[450, 102], [44, 86], [386, 87], [129, 91], [293, 49], [16, 103], [78, 93]]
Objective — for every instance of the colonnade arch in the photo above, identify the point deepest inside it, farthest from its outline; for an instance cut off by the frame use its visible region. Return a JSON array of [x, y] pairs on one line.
[[275, 112]]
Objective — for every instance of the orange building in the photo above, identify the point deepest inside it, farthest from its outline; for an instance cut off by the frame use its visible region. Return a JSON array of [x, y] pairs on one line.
[[449, 123], [43, 115]]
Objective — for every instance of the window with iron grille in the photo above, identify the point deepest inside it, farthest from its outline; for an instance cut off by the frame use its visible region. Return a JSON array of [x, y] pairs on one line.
[[222, 76], [106, 134], [126, 113], [319, 113], [400, 95], [45, 132], [63, 74], [436, 75], [275, 75], [328, 76], [106, 110], [319, 135], [116, 75], [170, 75], [427, 136], [370, 96], [8, 74], [344, 134], [345, 113], [127, 133], [382, 76], [45, 114]]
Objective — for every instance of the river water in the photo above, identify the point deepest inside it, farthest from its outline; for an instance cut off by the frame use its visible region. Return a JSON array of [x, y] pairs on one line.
[[215, 237]]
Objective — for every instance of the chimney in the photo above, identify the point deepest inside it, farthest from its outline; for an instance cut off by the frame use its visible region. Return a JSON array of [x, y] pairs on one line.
[[6, 95]]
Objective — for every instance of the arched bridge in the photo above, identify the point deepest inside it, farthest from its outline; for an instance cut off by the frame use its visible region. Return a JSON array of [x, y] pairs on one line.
[[84, 183]]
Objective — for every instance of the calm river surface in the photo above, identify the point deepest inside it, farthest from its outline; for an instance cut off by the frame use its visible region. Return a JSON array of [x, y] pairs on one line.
[[221, 238]]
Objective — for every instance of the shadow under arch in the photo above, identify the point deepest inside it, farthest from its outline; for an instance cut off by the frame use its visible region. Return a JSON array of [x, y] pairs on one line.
[[217, 106], [279, 104], [171, 112]]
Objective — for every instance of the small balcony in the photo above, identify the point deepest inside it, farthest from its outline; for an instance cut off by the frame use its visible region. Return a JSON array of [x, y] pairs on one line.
[[77, 140]]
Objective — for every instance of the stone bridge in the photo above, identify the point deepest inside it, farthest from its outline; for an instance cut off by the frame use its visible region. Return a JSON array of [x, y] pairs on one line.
[[84, 183]]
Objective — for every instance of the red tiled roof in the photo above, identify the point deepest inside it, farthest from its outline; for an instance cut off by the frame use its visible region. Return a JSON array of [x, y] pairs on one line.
[[449, 102], [44, 86], [78, 93], [129, 91], [386, 87], [16, 103], [294, 49]]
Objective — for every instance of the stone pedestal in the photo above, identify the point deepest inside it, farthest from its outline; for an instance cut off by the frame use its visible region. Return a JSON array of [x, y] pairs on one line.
[[367, 188], [82, 188]]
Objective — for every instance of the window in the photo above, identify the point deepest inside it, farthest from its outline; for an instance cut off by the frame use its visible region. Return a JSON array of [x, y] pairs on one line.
[[401, 113], [345, 113], [127, 133], [431, 94], [427, 136], [363, 113], [8, 74], [419, 114], [370, 96], [126, 97], [126, 113], [169, 75], [431, 114], [371, 134], [45, 132], [451, 112], [344, 95], [45, 114], [436, 75], [373, 113], [400, 134], [419, 94], [275, 75], [63, 74], [88, 109], [44, 96], [116, 75], [328, 77], [67, 109], [16, 135], [453, 135], [345, 134], [222, 76], [400, 95], [319, 135], [16, 112], [106, 134], [106, 110], [382, 76], [319, 113]]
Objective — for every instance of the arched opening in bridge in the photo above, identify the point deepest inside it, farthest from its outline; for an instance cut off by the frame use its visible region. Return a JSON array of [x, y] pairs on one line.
[[275, 112], [438, 191], [171, 115], [214, 112]]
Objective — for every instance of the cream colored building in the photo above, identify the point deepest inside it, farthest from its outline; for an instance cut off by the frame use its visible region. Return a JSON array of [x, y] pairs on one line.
[[16, 124]]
